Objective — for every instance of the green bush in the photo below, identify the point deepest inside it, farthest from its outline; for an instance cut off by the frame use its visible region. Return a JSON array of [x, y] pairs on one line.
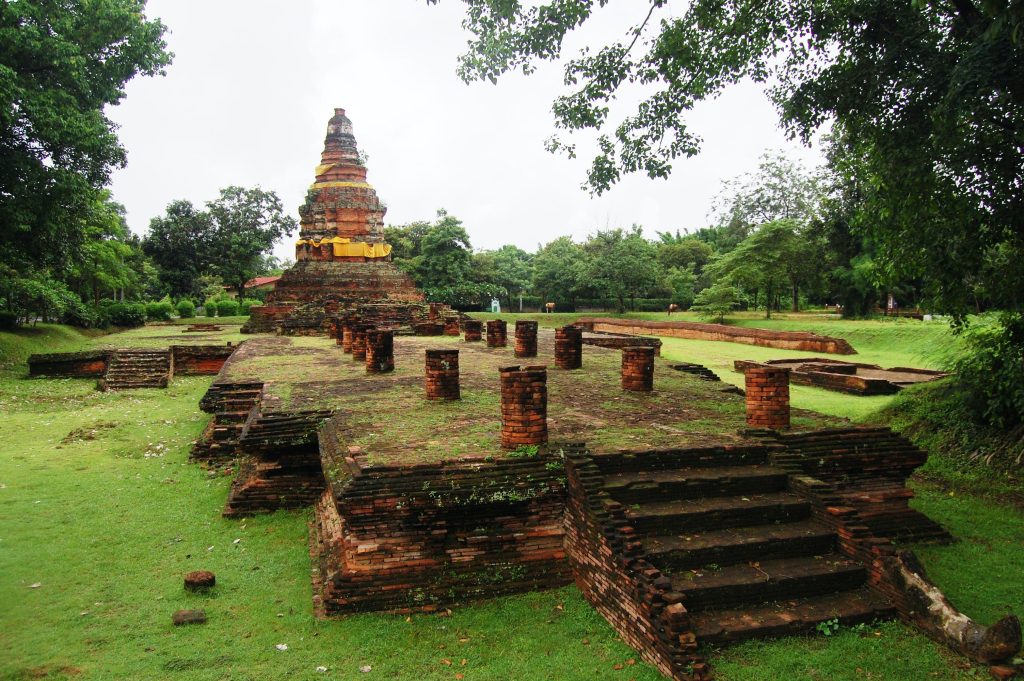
[[186, 309], [8, 320], [247, 304], [159, 312], [77, 313], [123, 314], [210, 308], [991, 372], [227, 308]]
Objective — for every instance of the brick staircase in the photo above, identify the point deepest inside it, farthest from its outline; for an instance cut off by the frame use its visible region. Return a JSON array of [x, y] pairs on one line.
[[129, 369], [743, 552]]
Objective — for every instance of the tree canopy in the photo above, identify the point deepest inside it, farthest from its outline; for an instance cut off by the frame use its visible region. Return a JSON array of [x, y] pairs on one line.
[[61, 64], [925, 97]]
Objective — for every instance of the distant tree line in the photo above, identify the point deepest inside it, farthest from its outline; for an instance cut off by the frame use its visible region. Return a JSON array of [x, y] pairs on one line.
[[779, 241]]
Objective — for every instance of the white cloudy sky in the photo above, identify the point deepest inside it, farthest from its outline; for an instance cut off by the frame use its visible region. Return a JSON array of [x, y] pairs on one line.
[[253, 83]]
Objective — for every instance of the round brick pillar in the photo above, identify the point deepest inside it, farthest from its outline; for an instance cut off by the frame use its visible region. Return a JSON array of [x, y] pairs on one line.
[[497, 333], [441, 380], [334, 330], [474, 330], [526, 339], [451, 326], [638, 369], [524, 406], [767, 397], [380, 352], [569, 347], [347, 328], [359, 342]]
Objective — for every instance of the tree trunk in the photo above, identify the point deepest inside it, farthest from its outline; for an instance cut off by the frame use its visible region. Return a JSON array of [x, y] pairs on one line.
[[622, 303], [796, 298], [241, 292], [769, 300]]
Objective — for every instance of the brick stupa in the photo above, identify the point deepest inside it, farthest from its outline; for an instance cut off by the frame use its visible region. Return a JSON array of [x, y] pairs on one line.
[[343, 264]]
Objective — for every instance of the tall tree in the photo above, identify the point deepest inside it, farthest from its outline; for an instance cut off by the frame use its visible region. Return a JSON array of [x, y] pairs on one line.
[[620, 264], [180, 242], [246, 223], [926, 98], [557, 271], [511, 269], [62, 62], [770, 258]]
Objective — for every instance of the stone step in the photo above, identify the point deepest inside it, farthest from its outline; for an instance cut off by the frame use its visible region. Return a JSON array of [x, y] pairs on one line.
[[696, 515], [714, 587], [694, 483], [684, 458], [739, 545], [785, 618]]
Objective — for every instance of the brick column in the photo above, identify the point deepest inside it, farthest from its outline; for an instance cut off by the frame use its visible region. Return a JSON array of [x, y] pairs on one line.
[[441, 380], [334, 330], [380, 352], [347, 327], [767, 397], [524, 406], [638, 369], [526, 339], [451, 326], [474, 330], [569, 347], [497, 333], [359, 342]]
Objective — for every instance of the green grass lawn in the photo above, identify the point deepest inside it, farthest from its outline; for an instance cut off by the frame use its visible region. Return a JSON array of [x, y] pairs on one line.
[[101, 515], [887, 342]]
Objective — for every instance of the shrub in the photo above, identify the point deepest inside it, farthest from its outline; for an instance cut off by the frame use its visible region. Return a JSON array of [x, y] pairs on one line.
[[77, 313], [246, 304], [227, 308], [159, 312], [186, 309], [123, 314], [991, 372], [716, 302], [8, 320]]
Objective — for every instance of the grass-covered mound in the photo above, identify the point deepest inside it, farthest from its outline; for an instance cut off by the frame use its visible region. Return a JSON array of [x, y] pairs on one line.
[[961, 452]]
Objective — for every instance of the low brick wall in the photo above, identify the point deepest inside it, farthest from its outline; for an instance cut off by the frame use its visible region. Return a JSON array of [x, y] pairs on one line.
[[790, 340], [419, 537], [200, 360], [609, 567], [618, 341], [88, 364]]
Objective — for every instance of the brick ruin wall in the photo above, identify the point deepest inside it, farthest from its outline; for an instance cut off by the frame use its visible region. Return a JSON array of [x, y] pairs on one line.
[[416, 537], [187, 360], [200, 360], [790, 340], [610, 570], [617, 341], [88, 364]]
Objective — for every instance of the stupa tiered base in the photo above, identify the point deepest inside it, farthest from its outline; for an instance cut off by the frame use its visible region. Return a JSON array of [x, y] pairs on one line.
[[343, 265]]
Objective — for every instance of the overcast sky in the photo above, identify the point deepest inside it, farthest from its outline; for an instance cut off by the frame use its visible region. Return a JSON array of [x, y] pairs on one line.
[[253, 83]]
